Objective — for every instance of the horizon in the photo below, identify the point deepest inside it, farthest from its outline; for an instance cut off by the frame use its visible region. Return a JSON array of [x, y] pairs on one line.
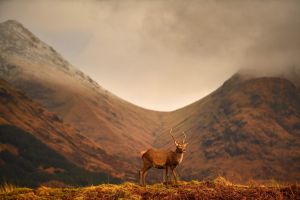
[[117, 45]]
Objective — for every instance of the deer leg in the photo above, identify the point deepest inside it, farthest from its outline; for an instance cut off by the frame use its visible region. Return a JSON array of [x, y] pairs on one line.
[[146, 166], [174, 175], [144, 173], [141, 177], [142, 181], [165, 174]]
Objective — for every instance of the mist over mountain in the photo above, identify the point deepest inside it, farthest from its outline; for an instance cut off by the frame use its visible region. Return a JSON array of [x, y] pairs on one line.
[[246, 129], [170, 53]]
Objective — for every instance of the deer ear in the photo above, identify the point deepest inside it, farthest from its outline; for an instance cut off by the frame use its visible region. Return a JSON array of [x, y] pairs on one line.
[[176, 143]]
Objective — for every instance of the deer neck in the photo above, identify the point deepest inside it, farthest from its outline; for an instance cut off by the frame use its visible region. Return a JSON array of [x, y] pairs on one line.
[[179, 156]]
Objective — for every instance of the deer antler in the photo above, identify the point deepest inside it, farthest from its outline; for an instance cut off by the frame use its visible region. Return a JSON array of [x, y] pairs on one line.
[[173, 136], [184, 137]]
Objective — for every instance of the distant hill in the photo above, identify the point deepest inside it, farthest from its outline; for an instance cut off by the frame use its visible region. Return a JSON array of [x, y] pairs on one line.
[[248, 129]]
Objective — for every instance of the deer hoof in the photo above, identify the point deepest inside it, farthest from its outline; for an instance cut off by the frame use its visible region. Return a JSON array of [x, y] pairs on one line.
[[175, 184], [167, 182]]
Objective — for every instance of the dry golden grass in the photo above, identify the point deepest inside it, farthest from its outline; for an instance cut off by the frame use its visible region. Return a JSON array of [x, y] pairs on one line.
[[217, 189], [7, 188]]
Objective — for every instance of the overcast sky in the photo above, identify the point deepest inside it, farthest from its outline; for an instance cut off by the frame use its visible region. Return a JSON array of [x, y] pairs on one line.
[[165, 54]]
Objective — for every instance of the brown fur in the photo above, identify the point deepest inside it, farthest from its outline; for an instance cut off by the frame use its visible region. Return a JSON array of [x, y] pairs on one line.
[[162, 159]]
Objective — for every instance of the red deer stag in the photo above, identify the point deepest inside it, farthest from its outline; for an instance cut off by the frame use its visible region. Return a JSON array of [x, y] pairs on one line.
[[163, 159]]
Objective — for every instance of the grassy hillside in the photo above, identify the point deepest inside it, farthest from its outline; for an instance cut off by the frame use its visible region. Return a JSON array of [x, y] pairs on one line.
[[218, 189], [248, 129], [20, 111], [26, 161]]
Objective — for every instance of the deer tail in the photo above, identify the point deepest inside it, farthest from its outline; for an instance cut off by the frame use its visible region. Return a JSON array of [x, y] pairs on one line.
[[143, 152]]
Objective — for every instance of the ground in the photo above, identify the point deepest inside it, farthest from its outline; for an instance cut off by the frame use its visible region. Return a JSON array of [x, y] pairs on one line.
[[217, 189]]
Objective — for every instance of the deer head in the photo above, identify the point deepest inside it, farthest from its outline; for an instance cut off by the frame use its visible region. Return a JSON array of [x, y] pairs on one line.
[[180, 146]]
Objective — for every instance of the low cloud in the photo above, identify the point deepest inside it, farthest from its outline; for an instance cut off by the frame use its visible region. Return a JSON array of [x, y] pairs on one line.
[[165, 54]]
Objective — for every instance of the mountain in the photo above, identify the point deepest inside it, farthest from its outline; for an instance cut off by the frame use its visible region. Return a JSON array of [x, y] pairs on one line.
[[35, 68], [37, 145], [248, 129]]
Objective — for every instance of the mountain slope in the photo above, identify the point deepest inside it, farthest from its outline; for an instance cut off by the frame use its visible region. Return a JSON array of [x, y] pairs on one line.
[[18, 110], [19, 158], [247, 129], [119, 127]]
